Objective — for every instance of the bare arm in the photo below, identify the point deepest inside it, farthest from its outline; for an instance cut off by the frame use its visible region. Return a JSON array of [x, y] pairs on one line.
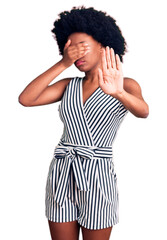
[[126, 90], [38, 92], [132, 98]]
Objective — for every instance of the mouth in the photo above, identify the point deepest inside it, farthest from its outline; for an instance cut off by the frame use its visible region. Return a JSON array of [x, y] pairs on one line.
[[79, 62]]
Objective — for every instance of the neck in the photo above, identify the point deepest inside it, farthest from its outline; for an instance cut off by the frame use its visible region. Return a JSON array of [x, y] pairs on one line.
[[91, 76]]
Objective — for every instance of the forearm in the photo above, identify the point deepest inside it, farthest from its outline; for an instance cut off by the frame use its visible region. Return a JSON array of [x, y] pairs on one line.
[[135, 105], [38, 85]]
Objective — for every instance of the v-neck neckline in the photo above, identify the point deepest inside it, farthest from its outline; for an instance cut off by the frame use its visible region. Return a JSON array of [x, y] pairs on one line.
[[81, 93]]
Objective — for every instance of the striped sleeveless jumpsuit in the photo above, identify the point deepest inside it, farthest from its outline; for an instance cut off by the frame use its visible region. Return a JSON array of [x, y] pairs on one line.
[[81, 183]]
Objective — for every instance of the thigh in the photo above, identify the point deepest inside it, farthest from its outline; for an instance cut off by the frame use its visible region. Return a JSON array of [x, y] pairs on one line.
[[100, 234], [64, 230]]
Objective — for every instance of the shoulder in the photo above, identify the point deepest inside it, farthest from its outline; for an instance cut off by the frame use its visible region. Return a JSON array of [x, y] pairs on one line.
[[132, 86], [69, 81], [66, 81]]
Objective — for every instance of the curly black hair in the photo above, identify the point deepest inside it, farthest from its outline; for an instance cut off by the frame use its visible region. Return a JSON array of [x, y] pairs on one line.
[[98, 24]]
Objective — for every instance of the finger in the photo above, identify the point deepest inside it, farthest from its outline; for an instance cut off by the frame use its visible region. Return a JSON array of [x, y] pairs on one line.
[[113, 58], [84, 48], [86, 51], [67, 44], [81, 51], [82, 44], [87, 48], [100, 75], [108, 57], [104, 62], [119, 65]]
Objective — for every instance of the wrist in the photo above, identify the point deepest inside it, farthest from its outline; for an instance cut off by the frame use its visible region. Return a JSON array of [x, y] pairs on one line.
[[64, 64], [120, 95]]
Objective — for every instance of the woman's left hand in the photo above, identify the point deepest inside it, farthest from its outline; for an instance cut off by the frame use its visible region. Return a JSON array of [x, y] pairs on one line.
[[111, 75]]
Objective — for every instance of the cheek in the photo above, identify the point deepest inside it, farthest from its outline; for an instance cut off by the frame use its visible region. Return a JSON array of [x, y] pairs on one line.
[[93, 55]]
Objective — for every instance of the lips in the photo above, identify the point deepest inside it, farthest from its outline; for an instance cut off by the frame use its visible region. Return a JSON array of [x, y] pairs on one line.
[[78, 63]]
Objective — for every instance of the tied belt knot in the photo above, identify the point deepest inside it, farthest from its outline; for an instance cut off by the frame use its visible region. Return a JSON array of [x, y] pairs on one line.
[[71, 154]]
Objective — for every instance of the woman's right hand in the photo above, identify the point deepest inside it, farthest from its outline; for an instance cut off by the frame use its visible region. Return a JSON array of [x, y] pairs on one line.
[[72, 53]]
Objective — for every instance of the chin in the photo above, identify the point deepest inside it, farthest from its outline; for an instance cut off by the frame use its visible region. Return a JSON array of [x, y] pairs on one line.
[[82, 68]]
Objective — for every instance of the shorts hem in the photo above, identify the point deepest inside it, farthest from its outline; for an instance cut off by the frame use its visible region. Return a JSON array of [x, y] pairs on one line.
[[58, 221], [107, 226]]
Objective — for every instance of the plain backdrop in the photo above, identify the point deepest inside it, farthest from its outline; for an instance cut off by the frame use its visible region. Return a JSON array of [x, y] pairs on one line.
[[29, 134]]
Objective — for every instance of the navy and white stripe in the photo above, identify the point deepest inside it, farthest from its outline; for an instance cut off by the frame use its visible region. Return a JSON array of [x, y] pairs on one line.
[[81, 183]]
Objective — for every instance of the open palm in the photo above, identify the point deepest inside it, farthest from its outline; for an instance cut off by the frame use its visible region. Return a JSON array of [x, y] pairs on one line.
[[111, 75]]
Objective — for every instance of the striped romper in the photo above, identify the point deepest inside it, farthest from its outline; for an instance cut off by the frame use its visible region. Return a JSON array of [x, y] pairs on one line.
[[81, 183]]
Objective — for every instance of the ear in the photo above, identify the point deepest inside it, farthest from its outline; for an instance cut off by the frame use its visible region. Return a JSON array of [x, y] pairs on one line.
[[101, 46]]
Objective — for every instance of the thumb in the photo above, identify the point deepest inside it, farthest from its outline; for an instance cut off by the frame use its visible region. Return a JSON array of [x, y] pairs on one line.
[[67, 44]]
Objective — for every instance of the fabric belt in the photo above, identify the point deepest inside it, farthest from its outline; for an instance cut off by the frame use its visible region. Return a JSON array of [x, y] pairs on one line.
[[71, 154]]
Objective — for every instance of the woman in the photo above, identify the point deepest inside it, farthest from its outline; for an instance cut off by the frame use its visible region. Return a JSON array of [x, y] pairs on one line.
[[81, 189]]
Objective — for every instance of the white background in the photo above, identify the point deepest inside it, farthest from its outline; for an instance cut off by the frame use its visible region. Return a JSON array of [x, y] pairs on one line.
[[29, 134]]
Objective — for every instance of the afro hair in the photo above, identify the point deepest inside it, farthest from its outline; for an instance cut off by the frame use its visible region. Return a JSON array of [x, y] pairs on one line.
[[98, 24]]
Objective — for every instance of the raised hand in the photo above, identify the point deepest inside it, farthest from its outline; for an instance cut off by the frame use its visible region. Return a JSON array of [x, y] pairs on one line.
[[111, 75], [74, 52]]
